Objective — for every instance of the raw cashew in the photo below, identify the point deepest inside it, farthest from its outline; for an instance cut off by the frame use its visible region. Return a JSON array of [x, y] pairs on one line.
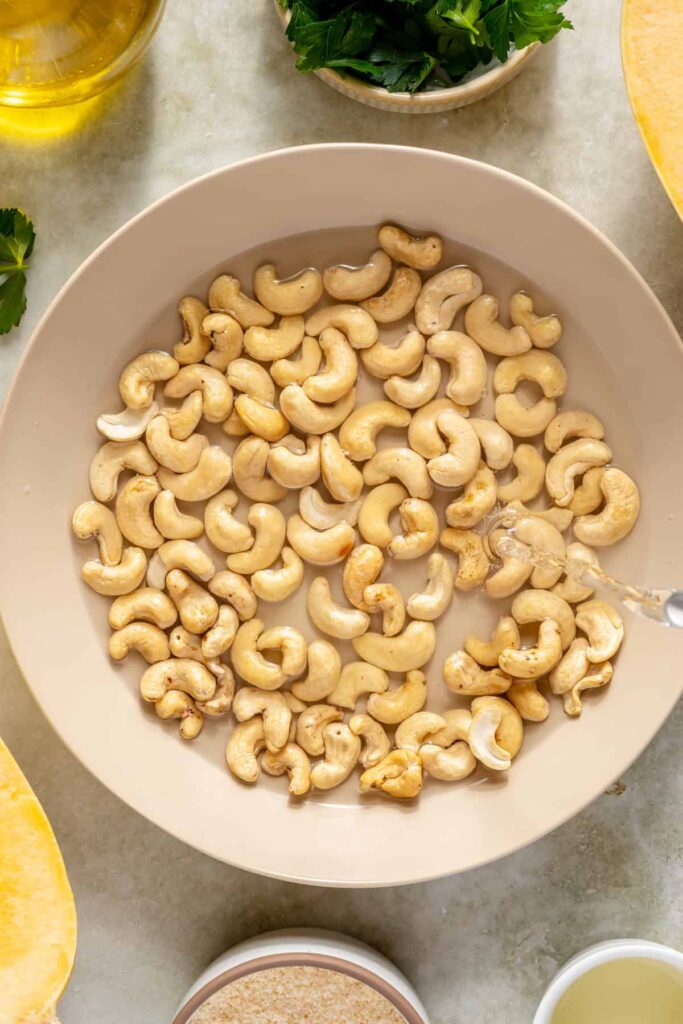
[[93, 520], [357, 678], [532, 662], [422, 252], [184, 644], [398, 299], [482, 324], [234, 589], [211, 474], [358, 433], [496, 732], [143, 637], [296, 371], [324, 669], [290, 296], [111, 580], [376, 745], [600, 676], [443, 296], [221, 635], [339, 373], [588, 495], [128, 425], [171, 522], [385, 361], [141, 375], [411, 394], [145, 604], [513, 573], [223, 530], [195, 344], [269, 537], [362, 568], [183, 674], [420, 525], [272, 706], [573, 423], [459, 464], [310, 417], [184, 419], [487, 652], [216, 392], [293, 761], [387, 598], [467, 362], [544, 331], [531, 472], [543, 368], [291, 645], [570, 588], [133, 511], [111, 460], [279, 584], [320, 547], [522, 420], [250, 462], [450, 765], [310, 725], [473, 565], [571, 461], [268, 343], [536, 605], [560, 518], [604, 628], [415, 730], [424, 436], [402, 464], [176, 704], [179, 554], [458, 723], [411, 649], [462, 675], [376, 510], [351, 284], [617, 518], [354, 322], [343, 480], [260, 419], [249, 663], [541, 535], [197, 609], [394, 706], [226, 295], [476, 501], [227, 339], [321, 514], [496, 443], [399, 774], [330, 617], [431, 603], [246, 742], [529, 701], [251, 379], [294, 464], [342, 750]]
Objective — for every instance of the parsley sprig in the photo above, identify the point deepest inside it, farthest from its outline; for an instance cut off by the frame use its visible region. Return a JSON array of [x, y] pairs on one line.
[[408, 45], [16, 245]]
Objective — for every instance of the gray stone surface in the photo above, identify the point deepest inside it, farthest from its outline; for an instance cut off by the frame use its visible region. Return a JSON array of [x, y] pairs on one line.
[[218, 86]]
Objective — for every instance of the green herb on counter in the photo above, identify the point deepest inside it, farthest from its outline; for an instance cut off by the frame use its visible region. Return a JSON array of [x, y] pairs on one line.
[[411, 45], [16, 245]]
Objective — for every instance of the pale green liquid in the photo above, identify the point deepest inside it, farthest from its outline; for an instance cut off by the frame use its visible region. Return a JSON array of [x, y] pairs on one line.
[[629, 991]]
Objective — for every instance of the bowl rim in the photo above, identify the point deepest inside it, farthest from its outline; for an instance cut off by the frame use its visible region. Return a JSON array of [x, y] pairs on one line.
[[420, 873]]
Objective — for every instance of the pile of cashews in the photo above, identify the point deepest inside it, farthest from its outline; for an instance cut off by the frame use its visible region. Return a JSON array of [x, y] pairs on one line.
[[286, 392]]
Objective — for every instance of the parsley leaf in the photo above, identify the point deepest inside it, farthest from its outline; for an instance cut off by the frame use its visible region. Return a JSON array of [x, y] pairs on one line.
[[523, 22], [16, 245], [322, 43]]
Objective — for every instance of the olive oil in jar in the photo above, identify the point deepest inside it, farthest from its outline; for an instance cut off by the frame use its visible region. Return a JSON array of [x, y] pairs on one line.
[[625, 991], [54, 52]]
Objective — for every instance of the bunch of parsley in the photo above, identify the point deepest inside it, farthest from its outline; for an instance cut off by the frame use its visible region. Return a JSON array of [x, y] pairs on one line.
[[407, 45]]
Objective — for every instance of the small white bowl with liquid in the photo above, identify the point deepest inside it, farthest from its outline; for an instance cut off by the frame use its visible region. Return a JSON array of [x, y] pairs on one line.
[[623, 981]]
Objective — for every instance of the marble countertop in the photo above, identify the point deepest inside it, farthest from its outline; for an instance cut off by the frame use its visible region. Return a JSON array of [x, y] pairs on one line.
[[219, 85]]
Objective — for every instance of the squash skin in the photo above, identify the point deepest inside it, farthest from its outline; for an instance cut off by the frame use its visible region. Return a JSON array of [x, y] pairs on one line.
[[651, 46], [37, 910]]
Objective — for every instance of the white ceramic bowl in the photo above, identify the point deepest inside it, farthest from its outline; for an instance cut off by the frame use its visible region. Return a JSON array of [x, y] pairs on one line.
[[594, 956], [478, 84], [624, 360], [306, 947]]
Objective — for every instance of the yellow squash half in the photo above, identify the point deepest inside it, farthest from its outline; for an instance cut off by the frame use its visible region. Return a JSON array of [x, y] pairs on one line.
[[652, 49], [37, 912]]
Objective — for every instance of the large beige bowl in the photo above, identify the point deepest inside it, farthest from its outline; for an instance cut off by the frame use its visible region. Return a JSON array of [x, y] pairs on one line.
[[624, 361]]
